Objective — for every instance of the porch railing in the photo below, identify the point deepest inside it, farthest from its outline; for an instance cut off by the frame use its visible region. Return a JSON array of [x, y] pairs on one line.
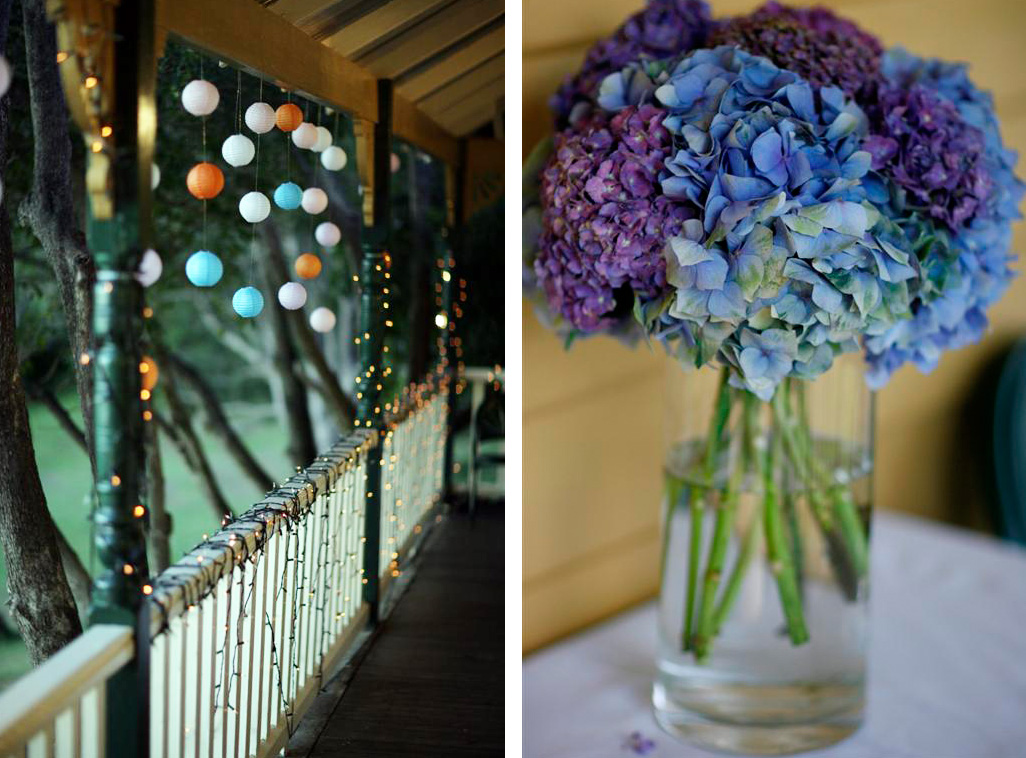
[[243, 629]]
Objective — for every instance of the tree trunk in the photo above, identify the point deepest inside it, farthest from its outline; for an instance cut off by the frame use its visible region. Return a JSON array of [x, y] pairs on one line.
[[40, 599], [160, 519], [78, 578], [302, 448], [219, 422], [49, 209]]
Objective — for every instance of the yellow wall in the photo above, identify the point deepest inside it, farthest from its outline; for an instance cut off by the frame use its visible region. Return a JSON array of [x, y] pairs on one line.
[[592, 416]]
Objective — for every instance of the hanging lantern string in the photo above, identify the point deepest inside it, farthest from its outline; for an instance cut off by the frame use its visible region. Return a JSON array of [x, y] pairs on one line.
[[203, 129], [288, 143], [238, 104], [334, 134], [256, 187]]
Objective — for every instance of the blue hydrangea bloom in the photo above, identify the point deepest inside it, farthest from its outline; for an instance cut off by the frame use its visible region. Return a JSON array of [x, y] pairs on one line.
[[965, 269], [784, 239]]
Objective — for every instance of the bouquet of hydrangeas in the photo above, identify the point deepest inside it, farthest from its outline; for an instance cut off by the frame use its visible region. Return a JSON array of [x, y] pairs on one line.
[[763, 194]]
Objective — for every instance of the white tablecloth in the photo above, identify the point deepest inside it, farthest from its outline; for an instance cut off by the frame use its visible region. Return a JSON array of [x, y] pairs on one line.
[[947, 671]]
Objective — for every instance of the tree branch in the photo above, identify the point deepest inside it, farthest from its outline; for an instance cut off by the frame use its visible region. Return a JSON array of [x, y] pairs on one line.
[[49, 209], [219, 422]]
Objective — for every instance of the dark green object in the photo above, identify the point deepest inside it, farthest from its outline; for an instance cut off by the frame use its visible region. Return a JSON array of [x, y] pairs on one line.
[[372, 339], [117, 245], [369, 391], [1009, 445]]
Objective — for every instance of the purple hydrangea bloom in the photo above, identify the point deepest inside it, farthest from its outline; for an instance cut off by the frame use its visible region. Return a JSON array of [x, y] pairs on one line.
[[604, 218], [822, 48], [783, 239], [922, 143], [664, 29], [965, 269]]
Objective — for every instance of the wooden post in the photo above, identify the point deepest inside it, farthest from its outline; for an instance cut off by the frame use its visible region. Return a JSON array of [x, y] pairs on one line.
[[377, 153], [117, 234], [454, 177]]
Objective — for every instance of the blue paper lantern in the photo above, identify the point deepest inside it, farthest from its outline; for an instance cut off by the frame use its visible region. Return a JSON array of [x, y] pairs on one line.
[[204, 269], [288, 196], [248, 302]]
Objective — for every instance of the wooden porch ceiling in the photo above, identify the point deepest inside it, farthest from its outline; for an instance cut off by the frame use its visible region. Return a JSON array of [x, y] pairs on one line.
[[446, 57]]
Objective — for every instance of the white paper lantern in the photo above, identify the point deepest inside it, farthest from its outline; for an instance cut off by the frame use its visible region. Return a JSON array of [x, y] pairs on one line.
[[154, 176], [322, 320], [333, 158], [315, 200], [327, 234], [323, 140], [260, 118], [150, 268], [254, 207], [304, 135], [5, 76], [292, 296], [200, 97], [396, 163], [238, 150]]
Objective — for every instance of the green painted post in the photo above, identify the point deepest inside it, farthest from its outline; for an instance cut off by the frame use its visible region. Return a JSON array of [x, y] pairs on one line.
[[117, 244], [372, 338]]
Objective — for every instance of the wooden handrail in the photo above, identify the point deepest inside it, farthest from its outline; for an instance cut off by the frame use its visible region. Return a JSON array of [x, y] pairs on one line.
[[35, 701]]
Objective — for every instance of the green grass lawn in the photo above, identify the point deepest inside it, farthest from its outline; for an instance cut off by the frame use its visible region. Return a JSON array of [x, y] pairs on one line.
[[64, 470]]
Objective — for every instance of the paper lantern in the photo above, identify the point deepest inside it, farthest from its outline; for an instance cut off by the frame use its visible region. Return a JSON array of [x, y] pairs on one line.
[[150, 268], [308, 266], [149, 372], [248, 302], [327, 234], [322, 320], [204, 269], [292, 296], [200, 97], [205, 181], [305, 136], [238, 150], [260, 118], [288, 196], [323, 140], [334, 158], [254, 207], [315, 200], [154, 176], [288, 117], [395, 163]]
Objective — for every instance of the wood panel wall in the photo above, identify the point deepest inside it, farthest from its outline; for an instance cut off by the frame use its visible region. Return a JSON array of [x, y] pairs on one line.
[[592, 416]]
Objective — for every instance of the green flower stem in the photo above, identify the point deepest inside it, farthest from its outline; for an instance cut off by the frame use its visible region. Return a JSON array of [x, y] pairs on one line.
[[713, 448], [777, 551], [702, 640], [831, 504], [737, 574]]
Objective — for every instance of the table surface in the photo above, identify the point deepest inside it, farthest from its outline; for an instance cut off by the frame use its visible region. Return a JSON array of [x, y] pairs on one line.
[[947, 662]]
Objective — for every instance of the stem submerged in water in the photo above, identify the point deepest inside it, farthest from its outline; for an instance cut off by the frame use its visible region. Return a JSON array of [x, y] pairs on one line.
[[713, 448]]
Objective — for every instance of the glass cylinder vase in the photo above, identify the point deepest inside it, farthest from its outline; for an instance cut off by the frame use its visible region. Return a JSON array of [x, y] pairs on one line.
[[764, 584]]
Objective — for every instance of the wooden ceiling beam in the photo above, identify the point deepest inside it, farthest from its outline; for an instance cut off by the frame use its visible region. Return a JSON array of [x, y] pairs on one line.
[[264, 43], [423, 82], [411, 124], [460, 89], [482, 101], [387, 21], [254, 38], [431, 37]]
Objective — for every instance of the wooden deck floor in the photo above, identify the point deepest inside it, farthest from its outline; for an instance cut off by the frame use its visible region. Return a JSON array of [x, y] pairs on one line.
[[431, 684]]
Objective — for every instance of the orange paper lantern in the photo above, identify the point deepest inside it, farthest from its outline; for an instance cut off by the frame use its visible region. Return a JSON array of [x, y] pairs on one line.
[[205, 181], [308, 266], [288, 117]]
